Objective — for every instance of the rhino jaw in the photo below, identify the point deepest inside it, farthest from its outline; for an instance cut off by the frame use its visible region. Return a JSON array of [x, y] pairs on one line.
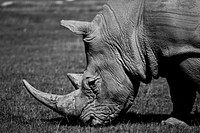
[[62, 104]]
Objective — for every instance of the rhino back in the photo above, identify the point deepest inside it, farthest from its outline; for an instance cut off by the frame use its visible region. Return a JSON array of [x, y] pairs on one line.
[[170, 27], [173, 25]]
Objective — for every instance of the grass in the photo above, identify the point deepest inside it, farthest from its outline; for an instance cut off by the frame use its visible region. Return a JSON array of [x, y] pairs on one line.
[[33, 46]]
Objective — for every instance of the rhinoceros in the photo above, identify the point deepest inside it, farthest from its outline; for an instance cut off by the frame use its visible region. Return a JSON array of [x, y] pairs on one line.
[[128, 42]]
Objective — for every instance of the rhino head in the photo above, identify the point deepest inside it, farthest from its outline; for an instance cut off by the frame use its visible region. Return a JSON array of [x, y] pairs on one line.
[[106, 89]]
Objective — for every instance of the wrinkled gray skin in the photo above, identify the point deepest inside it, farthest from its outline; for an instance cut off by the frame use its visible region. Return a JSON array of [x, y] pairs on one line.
[[128, 42]]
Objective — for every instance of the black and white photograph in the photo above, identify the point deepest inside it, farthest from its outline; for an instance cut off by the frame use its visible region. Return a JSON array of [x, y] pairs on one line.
[[99, 66]]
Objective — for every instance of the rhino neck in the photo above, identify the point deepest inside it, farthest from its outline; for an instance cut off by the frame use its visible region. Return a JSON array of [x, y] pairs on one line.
[[124, 25], [150, 53]]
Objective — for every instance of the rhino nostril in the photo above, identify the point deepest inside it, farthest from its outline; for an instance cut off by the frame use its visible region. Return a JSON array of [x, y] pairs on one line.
[[94, 121]]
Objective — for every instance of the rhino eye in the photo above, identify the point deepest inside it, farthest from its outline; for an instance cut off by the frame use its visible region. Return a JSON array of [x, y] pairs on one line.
[[91, 86], [92, 83]]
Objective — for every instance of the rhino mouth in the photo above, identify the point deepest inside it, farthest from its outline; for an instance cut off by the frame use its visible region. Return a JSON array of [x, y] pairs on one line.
[[96, 115], [76, 105]]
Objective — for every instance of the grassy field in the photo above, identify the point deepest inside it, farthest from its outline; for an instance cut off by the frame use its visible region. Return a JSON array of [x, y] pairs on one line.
[[33, 46]]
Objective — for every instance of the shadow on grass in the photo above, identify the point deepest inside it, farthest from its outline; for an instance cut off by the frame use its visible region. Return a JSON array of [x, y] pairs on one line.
[[130, 118], [141, 118], [154, 118]]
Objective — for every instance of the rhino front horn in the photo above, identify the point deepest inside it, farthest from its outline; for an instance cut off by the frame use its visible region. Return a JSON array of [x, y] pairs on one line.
[[62, 104]]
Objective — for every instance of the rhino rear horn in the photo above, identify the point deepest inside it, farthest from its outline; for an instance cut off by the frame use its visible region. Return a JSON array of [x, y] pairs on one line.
[[78, 27], [76, 80]]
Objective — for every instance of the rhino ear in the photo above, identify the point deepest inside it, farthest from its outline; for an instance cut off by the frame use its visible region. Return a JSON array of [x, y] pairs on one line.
[[78, 27]]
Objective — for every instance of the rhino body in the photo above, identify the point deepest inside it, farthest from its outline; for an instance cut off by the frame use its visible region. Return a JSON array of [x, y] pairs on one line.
[[128, 42]]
